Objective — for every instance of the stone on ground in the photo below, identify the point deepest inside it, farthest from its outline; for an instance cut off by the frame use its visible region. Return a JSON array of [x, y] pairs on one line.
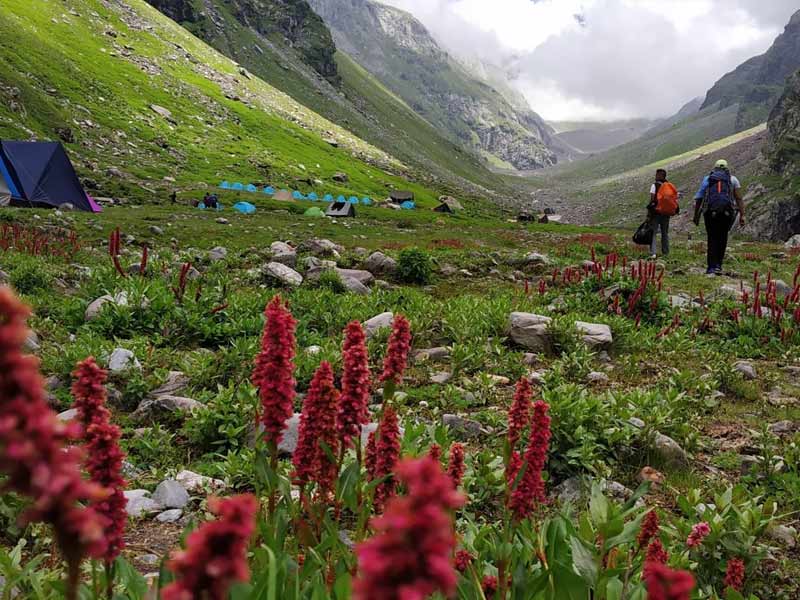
[[747, 370], [595, 335], [379, 264], [121, 360], [354, 286], [669, 450], [194, 482], [530, 331], [171, 494], [217, 254], [281, 274], [169, 516], [378, 323], [462, 428], [166, 406]]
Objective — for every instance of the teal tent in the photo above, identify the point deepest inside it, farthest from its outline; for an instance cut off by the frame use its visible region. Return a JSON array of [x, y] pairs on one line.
[[225, 185], [408, 205], [352, 200], [366, 201], [313, 196], [237, 186], [251, 188], [328, 198], [244, 207], [298, 195], [269, 190]]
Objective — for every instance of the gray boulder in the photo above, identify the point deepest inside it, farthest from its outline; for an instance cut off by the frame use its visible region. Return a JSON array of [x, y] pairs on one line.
[[530, 331], [217, 254], [363, 277], [164, 406], [595, 335], [96, 306], [156, 230], [31, 343], [597, 378], [784, 535], [535, 259], [286, 258], [793, 242], [783, 427], [463, 428], [176, 382], [194, 482], [281, 248], [122, 360], [377, 323], [441, 378], [438, 354], [747, 370], [354, 286], [379, 264], [171, 494], [281, 274], [68, 415], [669, 450], [140, 504], [169, 516], [321, 247]]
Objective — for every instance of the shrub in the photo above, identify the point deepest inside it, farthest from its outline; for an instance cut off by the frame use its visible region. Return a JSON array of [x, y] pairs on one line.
[[415, 266], [223, 422], [29, 277], [330, 280]]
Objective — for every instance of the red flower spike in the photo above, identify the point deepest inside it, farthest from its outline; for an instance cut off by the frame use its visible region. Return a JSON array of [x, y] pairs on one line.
[[462, 561], [489, 586], [649, 529], [33, 453], [387, 453], [665, 584], [410, 555], [456, 466], [397, 353], [734, 574], [655, 555], [354, 399], [216, 552], [104, 457], [318, 425], [519, 415], [274, 368], [435, 452], [371, 457], [699, 533], [531, 487]]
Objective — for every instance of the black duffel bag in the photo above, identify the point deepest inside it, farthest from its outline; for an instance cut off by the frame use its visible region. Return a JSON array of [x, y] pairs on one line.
[[644, 235]]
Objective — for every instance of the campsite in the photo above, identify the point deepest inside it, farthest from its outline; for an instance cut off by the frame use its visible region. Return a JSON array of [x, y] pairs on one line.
[[297, 303]]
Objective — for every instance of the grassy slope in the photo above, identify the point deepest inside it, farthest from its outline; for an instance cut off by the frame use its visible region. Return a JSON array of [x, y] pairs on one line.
[[366, 108], [214, 137]]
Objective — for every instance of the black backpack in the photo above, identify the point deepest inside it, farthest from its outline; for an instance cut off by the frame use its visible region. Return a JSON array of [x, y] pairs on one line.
[[644, 235], [719, 195]]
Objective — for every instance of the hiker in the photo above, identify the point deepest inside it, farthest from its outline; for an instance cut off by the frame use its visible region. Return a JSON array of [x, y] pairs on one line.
[[663, 206], [206, 199], [212, 201], [717, 200], [173, 197]]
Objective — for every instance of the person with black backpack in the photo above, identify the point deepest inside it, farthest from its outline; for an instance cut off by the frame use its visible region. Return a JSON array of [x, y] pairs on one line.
[[717, 201]]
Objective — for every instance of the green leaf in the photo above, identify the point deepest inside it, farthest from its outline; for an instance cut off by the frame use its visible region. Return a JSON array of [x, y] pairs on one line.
[[342, 589], [584, 561], [598, 506], [614, 589]]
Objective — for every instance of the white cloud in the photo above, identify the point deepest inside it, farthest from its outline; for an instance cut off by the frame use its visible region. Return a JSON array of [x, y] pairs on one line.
[[631, 58]]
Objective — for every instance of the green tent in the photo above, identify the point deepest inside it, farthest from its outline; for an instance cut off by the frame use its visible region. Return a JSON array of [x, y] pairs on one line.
[[314, 211]]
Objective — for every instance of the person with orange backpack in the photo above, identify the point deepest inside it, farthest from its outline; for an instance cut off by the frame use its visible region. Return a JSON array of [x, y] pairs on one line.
[[717, 201], [663, 206]]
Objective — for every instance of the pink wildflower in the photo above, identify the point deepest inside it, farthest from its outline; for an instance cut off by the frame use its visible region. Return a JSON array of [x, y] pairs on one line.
[[387, 453], [699, 533], [519, 415], [456, 466], [397, 353], [665, 584], [734, 574], [649, 529], [216, 552], [462, 560], [355, 384], [531, 487]]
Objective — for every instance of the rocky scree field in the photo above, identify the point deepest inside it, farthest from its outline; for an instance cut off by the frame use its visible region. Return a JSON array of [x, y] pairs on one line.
[[586, 422]]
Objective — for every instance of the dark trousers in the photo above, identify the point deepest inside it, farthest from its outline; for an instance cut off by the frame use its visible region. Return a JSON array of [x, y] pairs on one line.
[[660, 222], [718, 224]]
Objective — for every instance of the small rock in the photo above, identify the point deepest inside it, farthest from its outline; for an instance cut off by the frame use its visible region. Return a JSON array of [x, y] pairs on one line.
[[537, 377], [536, 259], [636, 422], [280, 248], [650, 474], [222, 220], [169, 516], [31, 343], [439, 354], [171, 494], [121, 360], [441, 378], [380, 264], [176, 382], [378, 323], [354, 286], [281, 274], [68, 415], [747, 370], [139, 503], [793, 242], [783, 534], [669, 450], [96, 306], [782, 427], [286, 258], [530, 331], [498, 379], [156, 230], [340, 177], [194, 482], [164, 406], [595, 335], [597, 378], [461, 427], [321, 247], [217, 254], [150, 560]]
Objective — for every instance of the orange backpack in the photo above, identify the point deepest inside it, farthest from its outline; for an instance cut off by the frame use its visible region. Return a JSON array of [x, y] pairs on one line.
[[667, 199]]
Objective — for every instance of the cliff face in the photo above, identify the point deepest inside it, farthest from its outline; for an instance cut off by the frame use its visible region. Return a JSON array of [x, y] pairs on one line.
[[293, 20], [757, 84], [398, 50]]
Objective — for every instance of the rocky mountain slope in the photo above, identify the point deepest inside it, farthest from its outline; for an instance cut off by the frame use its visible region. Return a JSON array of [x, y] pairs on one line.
[[287, 45], [144, 106], [399, 51], [756, 85]]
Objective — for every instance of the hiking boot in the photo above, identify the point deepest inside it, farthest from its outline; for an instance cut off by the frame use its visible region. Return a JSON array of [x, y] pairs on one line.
[[653, 257]]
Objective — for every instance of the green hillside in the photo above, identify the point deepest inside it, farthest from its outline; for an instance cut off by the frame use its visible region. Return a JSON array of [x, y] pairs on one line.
[[357, 100], [99, 74]]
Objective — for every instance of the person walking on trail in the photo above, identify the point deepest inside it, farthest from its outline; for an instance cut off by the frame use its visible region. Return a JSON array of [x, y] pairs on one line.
[[663, 206], [717, 201]]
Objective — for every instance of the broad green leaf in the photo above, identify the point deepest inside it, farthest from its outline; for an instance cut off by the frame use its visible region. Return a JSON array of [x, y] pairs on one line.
[[614, 589], [584, 561]]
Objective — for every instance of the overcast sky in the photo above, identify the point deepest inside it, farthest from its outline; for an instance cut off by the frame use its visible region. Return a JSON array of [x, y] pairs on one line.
[[607, 59]]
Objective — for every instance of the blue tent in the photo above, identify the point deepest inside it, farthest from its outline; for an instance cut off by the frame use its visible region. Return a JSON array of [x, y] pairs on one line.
[[237, 186], [408, 205], [269, 190], [341, 199], [251, 188], [298, 195], [245, 208], [366, 201], [328, 198], [225, 185], [313, 196], [40, 174], [352, 200]]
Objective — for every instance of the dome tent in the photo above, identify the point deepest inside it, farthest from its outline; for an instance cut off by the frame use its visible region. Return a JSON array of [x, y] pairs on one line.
[[225, 185], [328, 198], [251, 188], [269, 190], [408, 205], [40, 174], [313, 196], [244, 207], [238, 187], [314, 211], [298, 195], [366, 201]]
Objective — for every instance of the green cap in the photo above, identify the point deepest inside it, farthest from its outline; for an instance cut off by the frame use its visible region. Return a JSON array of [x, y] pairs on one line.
[[721, 164]]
